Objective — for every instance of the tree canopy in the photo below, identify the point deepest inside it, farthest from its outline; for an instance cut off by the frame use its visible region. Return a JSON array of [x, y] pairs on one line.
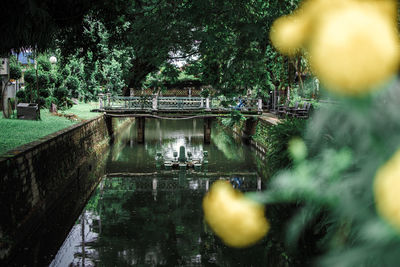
[[34, 23], [224, 42]]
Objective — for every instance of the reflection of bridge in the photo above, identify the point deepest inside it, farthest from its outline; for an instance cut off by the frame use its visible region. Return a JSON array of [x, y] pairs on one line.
[[174, 180], [177, 108]]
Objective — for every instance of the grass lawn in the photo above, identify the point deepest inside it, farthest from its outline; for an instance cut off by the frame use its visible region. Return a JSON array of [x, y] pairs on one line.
[[14, 133]]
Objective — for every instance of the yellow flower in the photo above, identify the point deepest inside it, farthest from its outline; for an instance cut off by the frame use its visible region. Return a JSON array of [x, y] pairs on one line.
[[289, 33], [354, 49], [352, 45], [386, 191], [239, 221]]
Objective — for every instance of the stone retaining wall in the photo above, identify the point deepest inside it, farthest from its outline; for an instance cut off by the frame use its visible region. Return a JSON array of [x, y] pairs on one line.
[[239, 129], [35, 178], [262, 126]]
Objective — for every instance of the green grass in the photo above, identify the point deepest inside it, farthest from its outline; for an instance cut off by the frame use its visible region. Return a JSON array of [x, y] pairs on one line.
[[83, 110], [14, 133]]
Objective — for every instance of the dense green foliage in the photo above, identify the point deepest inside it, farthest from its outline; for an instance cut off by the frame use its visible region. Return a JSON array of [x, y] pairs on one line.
[[276, 139], [30, 76], [15, 71], [110, 46], [32, 23], [224, 44], [333, 177]]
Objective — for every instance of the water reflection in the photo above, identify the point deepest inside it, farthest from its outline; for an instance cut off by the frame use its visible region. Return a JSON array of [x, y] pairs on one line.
[[144, 220], [166, 136], [138, 216]]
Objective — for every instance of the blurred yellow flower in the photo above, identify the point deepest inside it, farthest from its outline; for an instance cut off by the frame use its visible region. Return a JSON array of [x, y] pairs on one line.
[[239, 221], [386, 191], [289, 33], [352, 45], [354, 49]]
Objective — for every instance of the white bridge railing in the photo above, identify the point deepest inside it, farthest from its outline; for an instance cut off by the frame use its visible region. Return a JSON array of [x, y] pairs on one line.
[[166, 103]]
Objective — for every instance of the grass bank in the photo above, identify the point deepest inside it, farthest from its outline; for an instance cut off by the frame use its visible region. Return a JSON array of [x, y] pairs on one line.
[[14, 132]]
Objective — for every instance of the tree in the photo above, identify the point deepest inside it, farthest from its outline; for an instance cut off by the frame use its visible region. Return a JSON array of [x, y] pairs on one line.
[[36, 22], [15, 74], [229, 38]]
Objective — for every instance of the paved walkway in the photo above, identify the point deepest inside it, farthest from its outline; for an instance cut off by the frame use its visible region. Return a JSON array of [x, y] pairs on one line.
[[269, 117]]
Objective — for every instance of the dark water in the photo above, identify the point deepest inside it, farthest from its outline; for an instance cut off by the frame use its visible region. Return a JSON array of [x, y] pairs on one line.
[[139, 217]]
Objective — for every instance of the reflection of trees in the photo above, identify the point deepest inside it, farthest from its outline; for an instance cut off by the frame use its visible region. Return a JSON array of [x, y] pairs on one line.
[[227, 145], [143, 230], [135, 228], [121, 140]]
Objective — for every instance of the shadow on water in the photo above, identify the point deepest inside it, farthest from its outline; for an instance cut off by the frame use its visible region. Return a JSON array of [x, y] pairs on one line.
[[40, 248], [155, 218]]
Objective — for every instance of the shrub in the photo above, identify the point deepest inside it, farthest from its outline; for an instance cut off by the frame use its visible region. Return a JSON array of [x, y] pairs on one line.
[[72, 84], [30, 92], [277, 140], [205, 93], [50, 100], [15, 71], [44, 92], [21, 96], [30, 76], [65, 72], [235, 118], [43, 80], [52, 78], [58, 79], [44, 63], [61, 93]]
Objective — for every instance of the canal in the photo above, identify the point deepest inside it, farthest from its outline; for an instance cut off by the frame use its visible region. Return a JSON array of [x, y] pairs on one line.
[[142, 214]]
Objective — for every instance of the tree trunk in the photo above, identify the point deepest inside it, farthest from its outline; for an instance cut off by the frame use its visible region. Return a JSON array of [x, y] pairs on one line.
[[4, 101], [37, 86], [297, 65], [139, 71]]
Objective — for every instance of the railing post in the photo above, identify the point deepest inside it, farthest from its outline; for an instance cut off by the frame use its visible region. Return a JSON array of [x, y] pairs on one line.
[[109, 99], [155, 102], [208, 103], [274, 100], [201, 103], [101, 105], [259, 105]]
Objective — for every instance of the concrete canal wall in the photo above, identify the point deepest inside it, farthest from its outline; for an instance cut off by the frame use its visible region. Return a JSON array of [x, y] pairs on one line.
[[254, 133], [35, 178]]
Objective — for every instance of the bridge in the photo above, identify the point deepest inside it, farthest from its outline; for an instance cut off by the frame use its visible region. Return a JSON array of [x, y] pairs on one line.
[[167, 107], [154, 104]]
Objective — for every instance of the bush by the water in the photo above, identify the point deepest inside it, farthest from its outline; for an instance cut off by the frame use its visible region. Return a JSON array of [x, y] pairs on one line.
[[277, 138]]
